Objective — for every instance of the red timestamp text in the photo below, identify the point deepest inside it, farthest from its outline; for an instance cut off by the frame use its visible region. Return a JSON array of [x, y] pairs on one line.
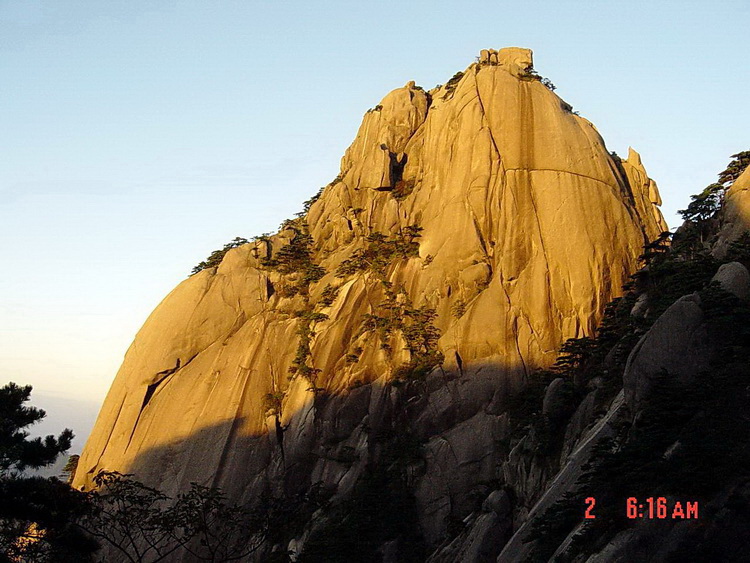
[[660, 508], [653, 508]]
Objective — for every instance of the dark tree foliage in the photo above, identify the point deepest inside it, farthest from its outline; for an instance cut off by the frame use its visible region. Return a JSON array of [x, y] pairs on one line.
[[17, 451], [656, 251], [705, 205], [739, 250], [37, 521], [218, 255], [740, 161], [416, 325], [296, 260], [574, 354], [297, 257], [703, 426], [421, 337], [548, 84], [128, 516], [306, 331], [69, 471], [36, 514], [666, 282], [142, 524], [380, 251], [224, 532], [309, 202], [451, 85], [328, 296]]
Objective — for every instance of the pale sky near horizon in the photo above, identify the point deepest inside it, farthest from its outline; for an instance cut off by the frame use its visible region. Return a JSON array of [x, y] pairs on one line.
[[136, 137]]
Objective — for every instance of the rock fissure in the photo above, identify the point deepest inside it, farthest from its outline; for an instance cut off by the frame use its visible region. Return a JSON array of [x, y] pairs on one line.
[[485, 120], [151, 389]]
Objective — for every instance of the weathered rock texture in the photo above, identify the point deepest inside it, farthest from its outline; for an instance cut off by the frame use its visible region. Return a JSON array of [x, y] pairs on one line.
[[529, 227]]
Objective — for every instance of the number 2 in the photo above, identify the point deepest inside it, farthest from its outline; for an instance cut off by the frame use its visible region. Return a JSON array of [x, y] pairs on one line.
[[591, 501]]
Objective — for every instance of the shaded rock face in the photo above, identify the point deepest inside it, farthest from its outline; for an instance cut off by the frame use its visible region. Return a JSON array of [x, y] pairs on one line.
[[678, 425], [679, 348], [675, 346], [734, 278], [528, 228]]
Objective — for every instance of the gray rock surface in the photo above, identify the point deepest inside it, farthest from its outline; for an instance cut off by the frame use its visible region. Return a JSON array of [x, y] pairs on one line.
[[734, 278], [580, 420], [641, 306], [456, 461], [675, 346], [516, 549], [554, 398]]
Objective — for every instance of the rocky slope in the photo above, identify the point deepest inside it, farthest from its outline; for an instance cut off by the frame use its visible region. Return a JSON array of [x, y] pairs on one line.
[[673, 425], [387, 331]]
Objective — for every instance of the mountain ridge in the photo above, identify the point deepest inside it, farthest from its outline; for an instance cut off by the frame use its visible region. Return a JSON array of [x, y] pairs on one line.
[[471, 231]]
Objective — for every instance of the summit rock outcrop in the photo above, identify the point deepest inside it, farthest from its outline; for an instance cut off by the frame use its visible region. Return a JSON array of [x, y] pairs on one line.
[[472, 229]]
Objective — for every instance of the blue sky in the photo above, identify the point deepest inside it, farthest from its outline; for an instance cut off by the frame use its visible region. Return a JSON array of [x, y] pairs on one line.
[[136, 137]]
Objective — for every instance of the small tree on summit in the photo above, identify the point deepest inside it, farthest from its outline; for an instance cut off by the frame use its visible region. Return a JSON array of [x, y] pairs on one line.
[[704, 205], [700, 213], [218, 255], [740, 161]]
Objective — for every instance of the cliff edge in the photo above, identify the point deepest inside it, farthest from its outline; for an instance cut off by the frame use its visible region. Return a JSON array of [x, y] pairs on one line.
[[472, 229]]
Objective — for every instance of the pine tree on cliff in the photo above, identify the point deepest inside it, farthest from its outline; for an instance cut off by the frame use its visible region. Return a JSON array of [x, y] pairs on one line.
[[704, 205], [35, 513]]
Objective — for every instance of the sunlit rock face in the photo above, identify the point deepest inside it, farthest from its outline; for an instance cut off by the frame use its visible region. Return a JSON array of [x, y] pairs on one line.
[[735, 214], [528, 228]]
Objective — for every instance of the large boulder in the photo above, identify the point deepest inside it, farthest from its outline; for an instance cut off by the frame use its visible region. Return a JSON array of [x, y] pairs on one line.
[[735, 279], [553, 404], [675, 346]]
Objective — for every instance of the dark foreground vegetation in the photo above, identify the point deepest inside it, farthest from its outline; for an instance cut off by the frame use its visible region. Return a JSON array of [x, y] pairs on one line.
[[46, 520]]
